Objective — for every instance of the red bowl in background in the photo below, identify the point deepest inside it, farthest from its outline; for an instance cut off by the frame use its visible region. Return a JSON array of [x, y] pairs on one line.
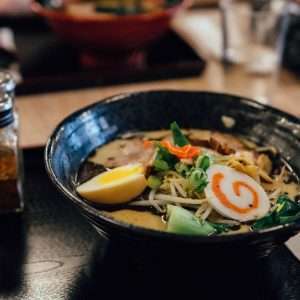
[[109, 33]]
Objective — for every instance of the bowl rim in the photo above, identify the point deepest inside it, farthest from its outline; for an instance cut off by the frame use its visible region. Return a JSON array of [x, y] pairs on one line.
[[93, 213], [142, 17]]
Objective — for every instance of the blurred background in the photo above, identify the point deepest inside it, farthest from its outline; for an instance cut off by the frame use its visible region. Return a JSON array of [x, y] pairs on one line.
[[246, 46]]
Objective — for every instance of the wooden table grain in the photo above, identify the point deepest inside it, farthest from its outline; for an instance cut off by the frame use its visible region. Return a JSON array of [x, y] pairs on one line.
[[39, 114]]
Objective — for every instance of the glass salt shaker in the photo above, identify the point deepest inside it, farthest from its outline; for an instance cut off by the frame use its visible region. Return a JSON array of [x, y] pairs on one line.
[[11, 169]]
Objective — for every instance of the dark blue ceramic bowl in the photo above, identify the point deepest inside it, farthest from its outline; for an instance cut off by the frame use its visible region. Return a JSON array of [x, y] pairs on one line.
[[79, 134]]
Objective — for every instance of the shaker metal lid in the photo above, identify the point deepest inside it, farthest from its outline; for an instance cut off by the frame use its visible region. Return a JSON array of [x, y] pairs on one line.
[[7, 87], [6, 117], [7, 83]]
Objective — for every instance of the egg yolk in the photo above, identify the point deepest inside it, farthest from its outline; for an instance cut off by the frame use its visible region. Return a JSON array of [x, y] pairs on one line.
[[119, 174], [237, 185]]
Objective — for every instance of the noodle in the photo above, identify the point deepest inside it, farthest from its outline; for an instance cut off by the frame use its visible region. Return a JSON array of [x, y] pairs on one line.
[[206, 213], [275, 194], [173, 190], [226, 221], [153, 202], [169, 198], [201, 210], [180, 189]]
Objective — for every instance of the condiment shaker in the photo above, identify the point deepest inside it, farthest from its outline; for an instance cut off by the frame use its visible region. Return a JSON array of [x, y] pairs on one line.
[[11, 169]]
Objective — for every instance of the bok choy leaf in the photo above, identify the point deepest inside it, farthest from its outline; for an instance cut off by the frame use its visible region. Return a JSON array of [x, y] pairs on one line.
[[182, 221]]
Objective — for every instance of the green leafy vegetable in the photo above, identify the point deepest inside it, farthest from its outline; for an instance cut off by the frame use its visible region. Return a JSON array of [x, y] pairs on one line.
[[182, 169], [285, 206], [164, 160], [221, 228], [182, 221], [286, 211], [165, 155], [178, 137], [197, 175], [161, 165], [203, 162], [198, 179], [289, 219], [265, 222], [153, 182]]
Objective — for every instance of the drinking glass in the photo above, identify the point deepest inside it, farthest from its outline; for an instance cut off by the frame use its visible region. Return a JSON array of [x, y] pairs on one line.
[[252, 46]]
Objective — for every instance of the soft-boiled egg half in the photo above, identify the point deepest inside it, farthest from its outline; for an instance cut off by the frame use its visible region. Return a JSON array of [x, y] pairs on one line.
[[115, 186], [235, 195]]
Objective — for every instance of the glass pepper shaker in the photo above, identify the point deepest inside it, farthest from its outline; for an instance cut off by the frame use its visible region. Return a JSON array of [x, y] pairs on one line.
[[11, 196]]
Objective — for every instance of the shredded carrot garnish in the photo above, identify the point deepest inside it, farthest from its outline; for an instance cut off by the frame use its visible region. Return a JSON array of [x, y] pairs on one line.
[[187, 151]]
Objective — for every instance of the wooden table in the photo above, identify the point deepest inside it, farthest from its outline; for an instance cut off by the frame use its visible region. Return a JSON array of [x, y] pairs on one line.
[[39, 114]]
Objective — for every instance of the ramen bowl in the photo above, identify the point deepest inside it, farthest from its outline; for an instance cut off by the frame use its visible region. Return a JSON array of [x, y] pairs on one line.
[[85, 130], [112, 33]]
